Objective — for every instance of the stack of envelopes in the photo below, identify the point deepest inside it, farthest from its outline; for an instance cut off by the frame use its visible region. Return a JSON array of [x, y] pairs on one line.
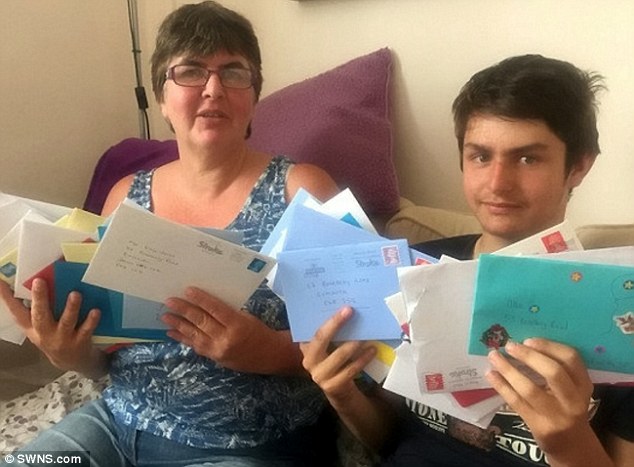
[[545, 286], [126, 266]]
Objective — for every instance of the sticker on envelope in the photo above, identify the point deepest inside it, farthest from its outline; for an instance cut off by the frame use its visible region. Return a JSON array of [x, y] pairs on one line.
[[319, 281]]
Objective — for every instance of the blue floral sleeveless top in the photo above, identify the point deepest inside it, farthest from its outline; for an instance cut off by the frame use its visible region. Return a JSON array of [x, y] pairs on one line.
[[170, 391]]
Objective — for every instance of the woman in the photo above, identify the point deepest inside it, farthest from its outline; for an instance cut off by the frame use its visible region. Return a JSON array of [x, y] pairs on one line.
[[231, 388]]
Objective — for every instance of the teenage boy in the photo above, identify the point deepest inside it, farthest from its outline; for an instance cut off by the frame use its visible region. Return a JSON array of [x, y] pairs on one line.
[[526, 130]]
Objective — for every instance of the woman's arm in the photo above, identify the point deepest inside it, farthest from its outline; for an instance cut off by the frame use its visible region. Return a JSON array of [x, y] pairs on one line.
[[311, 178], [117, 194]]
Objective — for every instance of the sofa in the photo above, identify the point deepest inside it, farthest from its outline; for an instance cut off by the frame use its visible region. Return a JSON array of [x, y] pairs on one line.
[[350, 115]]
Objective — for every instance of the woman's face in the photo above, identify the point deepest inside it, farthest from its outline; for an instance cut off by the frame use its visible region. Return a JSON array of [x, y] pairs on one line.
[[213, 114]]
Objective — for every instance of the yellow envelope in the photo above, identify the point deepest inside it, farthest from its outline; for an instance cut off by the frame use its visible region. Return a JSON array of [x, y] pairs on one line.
[[81, 221], [79, 252]]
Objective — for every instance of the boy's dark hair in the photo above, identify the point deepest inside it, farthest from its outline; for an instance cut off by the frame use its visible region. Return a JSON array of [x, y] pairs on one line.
[[537, 88], [202, 29]]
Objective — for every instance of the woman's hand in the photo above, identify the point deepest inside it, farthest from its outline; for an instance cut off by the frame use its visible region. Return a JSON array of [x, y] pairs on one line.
[[233, 338], [66, 345], [557, 412]]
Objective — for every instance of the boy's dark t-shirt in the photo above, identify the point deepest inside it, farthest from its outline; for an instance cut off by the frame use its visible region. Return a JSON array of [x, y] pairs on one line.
[[427, 437]]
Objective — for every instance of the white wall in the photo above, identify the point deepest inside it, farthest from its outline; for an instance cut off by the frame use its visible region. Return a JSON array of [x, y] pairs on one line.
[[438, 45], [54, 124], [67, 93]]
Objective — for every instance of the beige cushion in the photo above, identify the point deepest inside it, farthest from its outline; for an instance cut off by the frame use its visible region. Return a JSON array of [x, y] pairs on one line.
[[421, 223], [606, 235]]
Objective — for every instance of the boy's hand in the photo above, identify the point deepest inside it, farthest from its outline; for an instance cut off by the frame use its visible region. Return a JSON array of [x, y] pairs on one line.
[[556, 413]]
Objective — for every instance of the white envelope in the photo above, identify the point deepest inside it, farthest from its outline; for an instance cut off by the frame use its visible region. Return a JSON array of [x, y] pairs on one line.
[[9, 330], [51, 211], [345, 204], [559, 238], [9, 247], [40, 245], [402, 380], [10, 214], [153, 258]]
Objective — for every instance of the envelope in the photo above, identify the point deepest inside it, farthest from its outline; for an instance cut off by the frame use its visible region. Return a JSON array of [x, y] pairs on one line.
[[10, 214], [9, 247], [138, 313], [81, 221], [275, 241], [402, 380], [153, 258], [9, 330], [50, 211], [587, 306], [441, 297], [309, 228], [68, 278], [79, 252], [346, 207], [557, 239], [39, 246], [318, 281]]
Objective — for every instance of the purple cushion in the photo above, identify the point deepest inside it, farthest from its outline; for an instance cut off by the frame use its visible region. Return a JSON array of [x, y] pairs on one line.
[[122, 159], [339, 121]]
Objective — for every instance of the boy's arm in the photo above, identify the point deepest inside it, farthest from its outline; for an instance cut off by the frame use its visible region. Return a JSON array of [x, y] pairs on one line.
[[369, 418]]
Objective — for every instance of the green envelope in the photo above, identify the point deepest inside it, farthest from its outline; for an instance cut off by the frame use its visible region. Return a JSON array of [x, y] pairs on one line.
[[587, 306]]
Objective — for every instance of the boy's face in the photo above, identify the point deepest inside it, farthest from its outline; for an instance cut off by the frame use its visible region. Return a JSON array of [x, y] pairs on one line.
[[514, 176]]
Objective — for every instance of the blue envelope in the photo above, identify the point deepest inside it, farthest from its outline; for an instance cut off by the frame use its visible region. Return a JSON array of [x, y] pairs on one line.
[[312, 229], [318, 281], [307, 228], [587, 306], [68, 277]]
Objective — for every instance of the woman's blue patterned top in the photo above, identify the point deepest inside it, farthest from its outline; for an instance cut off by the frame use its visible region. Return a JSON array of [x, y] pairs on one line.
[[168, 390]]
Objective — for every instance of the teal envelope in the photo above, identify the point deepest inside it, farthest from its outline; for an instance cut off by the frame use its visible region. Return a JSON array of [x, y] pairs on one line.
[[68, 278], [587, 306]]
